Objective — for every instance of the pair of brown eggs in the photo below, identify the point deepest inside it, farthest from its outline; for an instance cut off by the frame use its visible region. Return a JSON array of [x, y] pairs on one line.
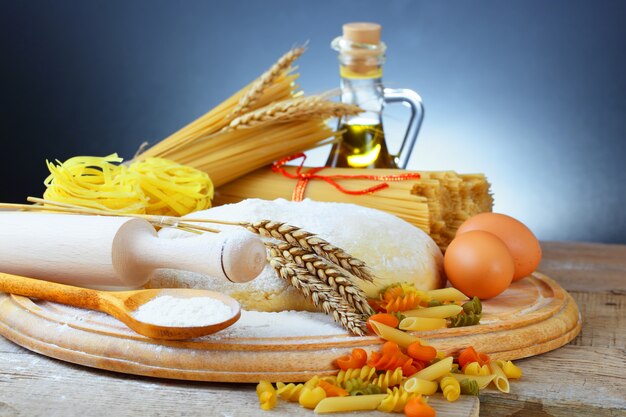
[[489, 251]]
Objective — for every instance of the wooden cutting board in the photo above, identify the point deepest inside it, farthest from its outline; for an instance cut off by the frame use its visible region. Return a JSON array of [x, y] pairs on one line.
[[533, 316]]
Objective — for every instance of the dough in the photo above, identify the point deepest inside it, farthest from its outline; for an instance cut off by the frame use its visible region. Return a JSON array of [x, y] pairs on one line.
[[395, 250]]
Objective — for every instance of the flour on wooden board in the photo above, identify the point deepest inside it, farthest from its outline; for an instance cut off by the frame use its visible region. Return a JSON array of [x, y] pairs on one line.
[[251, 323]]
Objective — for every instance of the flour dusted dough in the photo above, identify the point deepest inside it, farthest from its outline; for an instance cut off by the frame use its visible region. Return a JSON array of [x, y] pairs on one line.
[[394, 249]]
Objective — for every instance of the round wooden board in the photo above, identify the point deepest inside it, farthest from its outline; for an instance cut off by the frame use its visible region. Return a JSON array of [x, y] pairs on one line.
[[533, 316]]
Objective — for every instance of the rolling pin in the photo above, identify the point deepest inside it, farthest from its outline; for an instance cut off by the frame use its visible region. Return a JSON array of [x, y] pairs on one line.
[[116, 253]]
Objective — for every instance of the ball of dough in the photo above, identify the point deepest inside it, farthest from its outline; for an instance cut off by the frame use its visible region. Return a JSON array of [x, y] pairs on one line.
[[395, 250]]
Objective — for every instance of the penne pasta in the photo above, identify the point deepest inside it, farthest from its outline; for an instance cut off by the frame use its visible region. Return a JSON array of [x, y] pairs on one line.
[[352, 403], [421, 323], [420, 386], [436, 370], [474, 368], [482, 380], [511, 370], [447, 294], [500, 381], [439, 312], [403, 339]]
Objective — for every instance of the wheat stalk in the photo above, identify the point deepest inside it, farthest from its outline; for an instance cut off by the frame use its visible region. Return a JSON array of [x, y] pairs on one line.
[[321, 294], [312, 243], [265, 80], [293, 109], [328, 273]]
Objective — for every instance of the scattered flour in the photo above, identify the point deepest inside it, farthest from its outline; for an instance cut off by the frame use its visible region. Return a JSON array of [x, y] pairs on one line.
[[282, 324], [252, 324], [183, 312]]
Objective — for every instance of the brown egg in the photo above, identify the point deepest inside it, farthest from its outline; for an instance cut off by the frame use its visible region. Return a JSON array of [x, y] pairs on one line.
[[479, 264], [522, 243]]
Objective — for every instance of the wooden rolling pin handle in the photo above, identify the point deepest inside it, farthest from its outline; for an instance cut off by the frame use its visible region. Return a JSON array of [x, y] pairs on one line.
[[237, 255], [29, 287]]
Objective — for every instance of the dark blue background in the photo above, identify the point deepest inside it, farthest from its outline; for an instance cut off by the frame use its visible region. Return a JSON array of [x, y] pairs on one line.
[[532, 93]]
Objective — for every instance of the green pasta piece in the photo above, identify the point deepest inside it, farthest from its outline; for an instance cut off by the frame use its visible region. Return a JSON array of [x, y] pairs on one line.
[[474, 305], [462, 320], [398, 315], [469, 387], [471, 314], [355, 386], [373, 389], [434, 303]]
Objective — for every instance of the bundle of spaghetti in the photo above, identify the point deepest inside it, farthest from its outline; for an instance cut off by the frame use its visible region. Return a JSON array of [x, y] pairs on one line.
[[264, 121], [437, 202]]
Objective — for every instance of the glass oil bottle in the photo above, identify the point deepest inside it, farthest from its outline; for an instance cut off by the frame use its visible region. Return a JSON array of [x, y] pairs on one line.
[[363, 145]]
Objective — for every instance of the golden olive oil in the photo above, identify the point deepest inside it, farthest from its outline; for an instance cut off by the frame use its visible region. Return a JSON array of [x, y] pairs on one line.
[[361, 146]]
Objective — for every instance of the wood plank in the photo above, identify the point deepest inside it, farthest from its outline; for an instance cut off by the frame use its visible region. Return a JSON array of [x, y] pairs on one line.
[[573, 380], [589, 267], [34, 385], [583, 378], [604, 320]]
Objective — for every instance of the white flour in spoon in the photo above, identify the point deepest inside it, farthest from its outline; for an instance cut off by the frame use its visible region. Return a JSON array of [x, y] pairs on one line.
[[183, 312]]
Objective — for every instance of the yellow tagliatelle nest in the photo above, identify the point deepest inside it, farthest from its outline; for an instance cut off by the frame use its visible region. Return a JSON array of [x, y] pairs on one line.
[[152, 186]]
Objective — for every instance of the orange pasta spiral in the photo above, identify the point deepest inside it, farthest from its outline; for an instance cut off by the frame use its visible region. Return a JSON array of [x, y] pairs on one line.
[[401, 297], [332, 390], [391, 357]]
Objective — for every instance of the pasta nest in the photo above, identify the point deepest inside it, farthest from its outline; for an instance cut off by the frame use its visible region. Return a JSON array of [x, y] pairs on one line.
[[152, 186]]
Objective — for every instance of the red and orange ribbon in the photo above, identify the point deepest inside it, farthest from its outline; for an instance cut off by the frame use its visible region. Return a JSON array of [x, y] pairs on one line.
[[312, 174]]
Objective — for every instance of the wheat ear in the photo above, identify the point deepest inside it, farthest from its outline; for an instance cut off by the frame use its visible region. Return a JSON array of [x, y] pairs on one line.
[[312, 243], [265, 80], [293, 109], [328, 273], [321, 294]]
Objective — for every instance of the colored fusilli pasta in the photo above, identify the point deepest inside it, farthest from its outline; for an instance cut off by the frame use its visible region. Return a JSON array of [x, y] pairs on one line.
[[450, 387], [388, 379], [332, 390], [309, 398], [471, 314], [469, 387], [395, 400], [366, 373], [267, 395], [391, 357], [357, 386], [289, 392]]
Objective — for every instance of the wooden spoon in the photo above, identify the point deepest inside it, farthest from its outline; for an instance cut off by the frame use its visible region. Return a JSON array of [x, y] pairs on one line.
[[121, 304]]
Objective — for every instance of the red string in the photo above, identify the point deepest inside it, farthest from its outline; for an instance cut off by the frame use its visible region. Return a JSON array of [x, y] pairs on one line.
[[312, 174]]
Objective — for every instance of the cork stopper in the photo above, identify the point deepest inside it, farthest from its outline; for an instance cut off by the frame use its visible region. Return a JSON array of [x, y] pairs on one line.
[[361, 53], [362, 32]]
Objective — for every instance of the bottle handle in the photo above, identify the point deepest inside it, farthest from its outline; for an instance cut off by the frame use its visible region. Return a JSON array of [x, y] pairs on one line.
[[414, 101]]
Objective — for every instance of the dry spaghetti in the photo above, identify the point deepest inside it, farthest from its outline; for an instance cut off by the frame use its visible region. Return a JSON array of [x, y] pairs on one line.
[[261, 123]]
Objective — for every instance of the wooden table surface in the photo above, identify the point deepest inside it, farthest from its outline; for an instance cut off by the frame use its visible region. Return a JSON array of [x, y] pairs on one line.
[[586, 377]]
